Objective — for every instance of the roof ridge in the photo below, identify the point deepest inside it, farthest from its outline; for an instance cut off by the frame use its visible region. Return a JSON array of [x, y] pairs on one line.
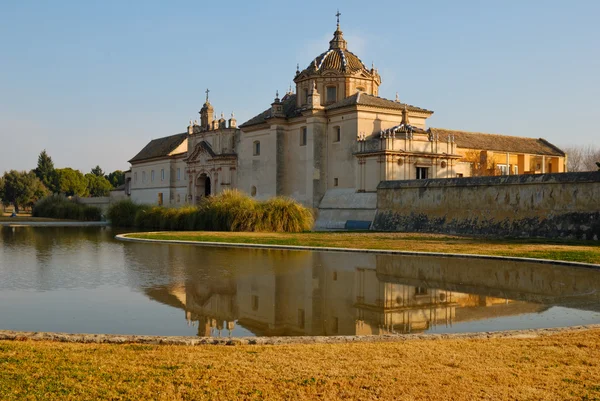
[[487, 133], [553, 146]]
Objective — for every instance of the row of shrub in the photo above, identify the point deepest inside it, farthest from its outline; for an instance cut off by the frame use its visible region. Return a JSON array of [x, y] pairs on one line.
[[229, 211], [60, 207]]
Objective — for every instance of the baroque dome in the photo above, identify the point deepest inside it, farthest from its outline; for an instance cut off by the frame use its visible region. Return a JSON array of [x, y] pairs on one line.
[[337, 58], [340, 60], [335, 74]]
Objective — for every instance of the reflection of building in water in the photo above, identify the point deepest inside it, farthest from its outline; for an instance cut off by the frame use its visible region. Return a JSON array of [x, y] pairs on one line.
[[305, 293]]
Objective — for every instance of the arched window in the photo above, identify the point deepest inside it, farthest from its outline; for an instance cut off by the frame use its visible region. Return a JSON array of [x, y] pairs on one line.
[[256, 148]]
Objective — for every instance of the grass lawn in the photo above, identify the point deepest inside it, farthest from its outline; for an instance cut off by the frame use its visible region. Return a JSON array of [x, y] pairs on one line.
[[562, 366], [569, 250]]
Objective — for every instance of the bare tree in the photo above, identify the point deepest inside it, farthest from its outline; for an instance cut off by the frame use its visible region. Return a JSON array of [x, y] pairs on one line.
[[582, 158], [591, 156]]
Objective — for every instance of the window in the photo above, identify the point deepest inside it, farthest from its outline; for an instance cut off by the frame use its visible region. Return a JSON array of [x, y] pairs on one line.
[[360, 89], [135, 177], [253, 191], [459, 175], [335, 182], [178, 174], [331, 94], [503, 169], [305, 95], [337, 135], [422, 173], [178, 198], [334, 276], [420, 291], [254, 302], [303, 136], [143, 176], [256, 148], [162, 174], [516, 170], [160, 199], [152, 176]]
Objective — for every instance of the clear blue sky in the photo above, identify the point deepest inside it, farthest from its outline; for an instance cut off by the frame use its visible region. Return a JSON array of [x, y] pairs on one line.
[[93, 82]]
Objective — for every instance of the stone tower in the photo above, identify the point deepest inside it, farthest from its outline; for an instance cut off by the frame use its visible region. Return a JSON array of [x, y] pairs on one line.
[[206, 114]]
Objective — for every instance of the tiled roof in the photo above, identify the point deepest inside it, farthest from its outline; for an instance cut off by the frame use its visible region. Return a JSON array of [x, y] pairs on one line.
[[160, 147], [361, 98], [501, 143], [289, 109], [336, 59]]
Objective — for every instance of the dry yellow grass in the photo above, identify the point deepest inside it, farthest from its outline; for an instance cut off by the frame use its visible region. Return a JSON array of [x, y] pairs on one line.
[[563, 366], [579, 251]]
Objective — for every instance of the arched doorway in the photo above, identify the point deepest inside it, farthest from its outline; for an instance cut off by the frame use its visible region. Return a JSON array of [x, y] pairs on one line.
[[202, 186]]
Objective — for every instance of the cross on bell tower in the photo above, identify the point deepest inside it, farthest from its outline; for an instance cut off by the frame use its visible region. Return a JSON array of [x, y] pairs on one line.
[[338, 18], [206, 113]]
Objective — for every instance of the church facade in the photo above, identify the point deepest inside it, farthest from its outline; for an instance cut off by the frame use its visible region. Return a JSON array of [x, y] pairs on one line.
[[333, 134]]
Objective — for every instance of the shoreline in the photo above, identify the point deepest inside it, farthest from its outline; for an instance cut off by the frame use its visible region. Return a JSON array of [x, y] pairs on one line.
[[17, 223], [125, 237], [81, 338]]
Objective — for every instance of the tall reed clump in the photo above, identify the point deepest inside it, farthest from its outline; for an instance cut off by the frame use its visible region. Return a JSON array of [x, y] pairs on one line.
[[231, 210], [283, 214], [123, 213], [60, 207]]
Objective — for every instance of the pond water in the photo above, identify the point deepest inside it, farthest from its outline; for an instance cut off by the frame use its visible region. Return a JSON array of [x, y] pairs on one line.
[[82, 280]]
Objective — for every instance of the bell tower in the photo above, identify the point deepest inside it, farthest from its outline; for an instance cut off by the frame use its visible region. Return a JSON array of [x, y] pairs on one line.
[[206, 113]]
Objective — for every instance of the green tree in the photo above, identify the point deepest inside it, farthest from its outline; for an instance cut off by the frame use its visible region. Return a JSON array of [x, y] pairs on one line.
[[46, 172], [116, 178], [72, 182], [21, 189], [98, 185], [97, 171]]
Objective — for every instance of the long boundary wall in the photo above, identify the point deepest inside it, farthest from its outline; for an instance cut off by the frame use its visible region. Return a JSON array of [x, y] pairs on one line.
[[541, 205]]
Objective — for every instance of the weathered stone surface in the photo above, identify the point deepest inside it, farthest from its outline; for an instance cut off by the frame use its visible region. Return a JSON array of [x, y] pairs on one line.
[[342, 204], [543, 205]]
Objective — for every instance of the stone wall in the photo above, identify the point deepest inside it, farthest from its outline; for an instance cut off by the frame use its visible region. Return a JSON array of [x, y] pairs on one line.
[[342, 204], [542, 205]]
